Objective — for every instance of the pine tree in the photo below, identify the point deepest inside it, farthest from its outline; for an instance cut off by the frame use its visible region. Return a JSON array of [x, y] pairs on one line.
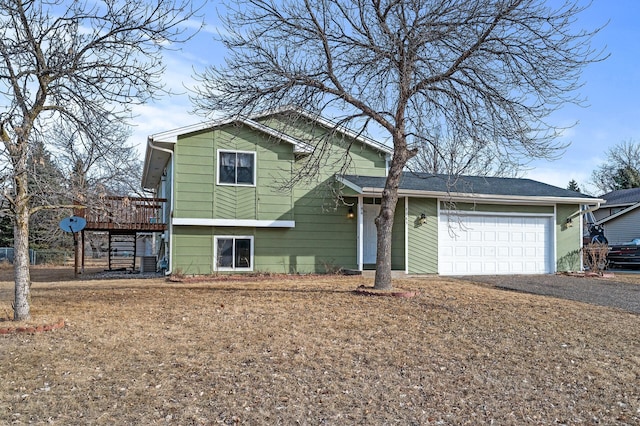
[[573, 186]]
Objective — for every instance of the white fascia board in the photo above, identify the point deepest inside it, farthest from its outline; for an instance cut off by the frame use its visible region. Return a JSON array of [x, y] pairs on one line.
[[299, 146], [171, 136], [327, 123], [349, 184], [245, 223], [484, 198], [342, 129]]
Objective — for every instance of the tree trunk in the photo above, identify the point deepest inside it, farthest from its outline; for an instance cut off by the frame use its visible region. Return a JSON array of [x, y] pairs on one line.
[[22, 299], [384, 220], [384, 227]]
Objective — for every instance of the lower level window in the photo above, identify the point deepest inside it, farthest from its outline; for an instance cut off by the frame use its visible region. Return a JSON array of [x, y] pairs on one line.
[[234, 253]]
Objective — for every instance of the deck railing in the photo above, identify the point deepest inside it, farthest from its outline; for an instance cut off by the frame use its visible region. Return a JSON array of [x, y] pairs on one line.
[[124, 213]]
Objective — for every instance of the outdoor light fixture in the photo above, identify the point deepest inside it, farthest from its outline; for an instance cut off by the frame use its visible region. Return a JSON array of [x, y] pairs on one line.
[[569, 222], [423, 219], [351, 214]]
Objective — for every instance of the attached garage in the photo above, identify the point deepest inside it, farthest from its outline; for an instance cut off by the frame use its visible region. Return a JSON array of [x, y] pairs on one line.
[[475, 225], [475, 244]]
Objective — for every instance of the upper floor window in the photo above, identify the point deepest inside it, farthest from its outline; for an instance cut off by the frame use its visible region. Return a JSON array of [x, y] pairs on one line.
[[237, 168]]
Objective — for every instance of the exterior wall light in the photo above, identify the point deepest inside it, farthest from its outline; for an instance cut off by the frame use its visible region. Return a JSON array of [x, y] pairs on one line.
[[423, 219], [350, 213], [569, 222]]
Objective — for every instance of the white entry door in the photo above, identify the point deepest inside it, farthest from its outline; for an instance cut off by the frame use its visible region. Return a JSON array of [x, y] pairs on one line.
[[494, 244], [369, 233]]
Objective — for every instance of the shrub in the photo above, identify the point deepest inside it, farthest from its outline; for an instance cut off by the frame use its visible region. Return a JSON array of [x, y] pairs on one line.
[[595, 257]]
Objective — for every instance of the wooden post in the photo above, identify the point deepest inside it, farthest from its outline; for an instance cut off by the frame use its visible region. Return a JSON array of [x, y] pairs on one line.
[[82, 253], [75, 254]]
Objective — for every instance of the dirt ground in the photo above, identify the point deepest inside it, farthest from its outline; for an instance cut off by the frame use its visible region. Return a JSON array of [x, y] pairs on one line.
[[308, 350]]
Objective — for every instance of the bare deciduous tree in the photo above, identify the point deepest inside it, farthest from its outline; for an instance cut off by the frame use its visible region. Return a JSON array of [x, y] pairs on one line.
[[489, 72], [457, 158], [77, 63], [621, 170]]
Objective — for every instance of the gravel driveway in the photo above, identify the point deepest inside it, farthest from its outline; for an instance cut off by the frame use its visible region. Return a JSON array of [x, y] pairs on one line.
[[603, 292]]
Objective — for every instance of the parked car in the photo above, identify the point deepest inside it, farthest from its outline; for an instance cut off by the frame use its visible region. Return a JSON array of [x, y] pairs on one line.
[[627, 254]]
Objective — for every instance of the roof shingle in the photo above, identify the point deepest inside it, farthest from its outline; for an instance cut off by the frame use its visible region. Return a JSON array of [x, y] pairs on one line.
[[412, 181]]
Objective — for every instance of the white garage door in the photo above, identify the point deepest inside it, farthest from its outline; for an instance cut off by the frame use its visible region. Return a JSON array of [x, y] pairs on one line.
[[492, 244]]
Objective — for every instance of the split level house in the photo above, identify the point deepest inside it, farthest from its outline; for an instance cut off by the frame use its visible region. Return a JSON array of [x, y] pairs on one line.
[[290, 192]]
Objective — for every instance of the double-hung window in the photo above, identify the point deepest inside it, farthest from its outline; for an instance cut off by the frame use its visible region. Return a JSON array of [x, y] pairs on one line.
[[236, 168], [234, 253]]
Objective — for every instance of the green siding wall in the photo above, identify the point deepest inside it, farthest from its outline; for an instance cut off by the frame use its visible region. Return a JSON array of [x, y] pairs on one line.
[[568, 238], [319, 245], [198, 195], [398, 240], [192, 250], [323, 237], [423, 238], [497, 208]]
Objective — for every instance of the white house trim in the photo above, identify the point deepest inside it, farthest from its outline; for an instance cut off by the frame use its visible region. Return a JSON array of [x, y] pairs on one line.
[[241, 223], [490, 213], [406, 235], [359, 232]]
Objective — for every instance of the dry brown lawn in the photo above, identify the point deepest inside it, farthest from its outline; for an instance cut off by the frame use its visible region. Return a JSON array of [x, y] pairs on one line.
[[307, 350]]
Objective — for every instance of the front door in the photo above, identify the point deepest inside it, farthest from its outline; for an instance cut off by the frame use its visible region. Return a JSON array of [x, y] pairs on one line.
[[369, 233]]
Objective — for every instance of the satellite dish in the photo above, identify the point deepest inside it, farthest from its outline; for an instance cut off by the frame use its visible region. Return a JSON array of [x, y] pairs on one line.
[[73, 224]]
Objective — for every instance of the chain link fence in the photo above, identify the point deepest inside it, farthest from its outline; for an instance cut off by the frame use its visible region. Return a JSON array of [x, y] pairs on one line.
[[38, 257]]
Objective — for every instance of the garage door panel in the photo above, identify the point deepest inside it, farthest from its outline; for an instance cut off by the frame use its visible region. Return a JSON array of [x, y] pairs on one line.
[[475, 251], [490, 236], [489, 251], [494, 244]]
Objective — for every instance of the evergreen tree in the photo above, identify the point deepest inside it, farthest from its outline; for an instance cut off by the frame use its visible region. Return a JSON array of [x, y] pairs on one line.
[[573, 186]]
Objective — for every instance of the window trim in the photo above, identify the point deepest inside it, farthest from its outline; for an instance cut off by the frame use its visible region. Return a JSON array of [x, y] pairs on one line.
[[234, 238], [219, 164]]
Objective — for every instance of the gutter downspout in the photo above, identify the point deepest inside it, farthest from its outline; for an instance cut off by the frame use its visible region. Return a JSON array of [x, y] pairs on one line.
[[583, 212], [170, 152], [591, 209]]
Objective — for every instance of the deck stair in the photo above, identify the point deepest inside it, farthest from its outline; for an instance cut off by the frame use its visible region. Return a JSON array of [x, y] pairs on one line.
[[122, 251]]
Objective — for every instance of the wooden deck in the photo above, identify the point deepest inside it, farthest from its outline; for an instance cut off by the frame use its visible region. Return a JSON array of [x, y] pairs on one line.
[[134, 214]]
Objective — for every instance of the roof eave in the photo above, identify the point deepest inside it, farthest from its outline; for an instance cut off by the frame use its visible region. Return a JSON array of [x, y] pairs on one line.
[[327, 123], [485, 198]]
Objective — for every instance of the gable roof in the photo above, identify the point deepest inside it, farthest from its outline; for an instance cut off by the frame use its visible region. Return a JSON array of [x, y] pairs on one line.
[[622, 197], [160, 145], [468, 188]]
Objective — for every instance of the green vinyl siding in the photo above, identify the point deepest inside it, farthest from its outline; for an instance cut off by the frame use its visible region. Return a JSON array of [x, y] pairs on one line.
[[194, 159], [496, 208], [568, 238], [423, 238], [363, 159], [199, 196], [311, 247], [323, 238], [192, 250], [397, 238]]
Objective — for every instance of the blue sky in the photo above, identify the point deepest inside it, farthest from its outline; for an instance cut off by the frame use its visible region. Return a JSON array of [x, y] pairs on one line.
[[612, 90]]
